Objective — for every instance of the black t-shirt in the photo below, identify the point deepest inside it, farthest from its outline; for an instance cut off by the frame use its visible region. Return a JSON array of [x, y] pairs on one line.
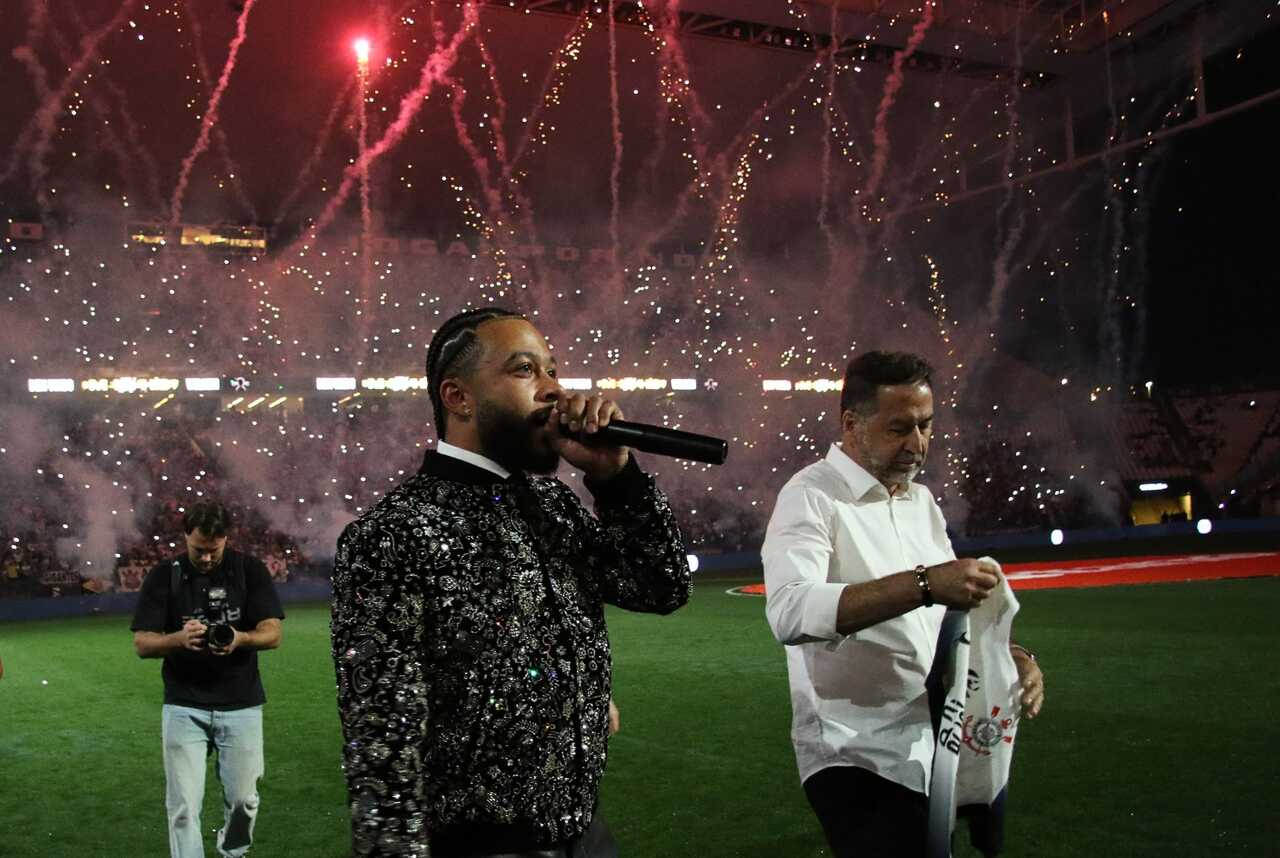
[[200, 679]]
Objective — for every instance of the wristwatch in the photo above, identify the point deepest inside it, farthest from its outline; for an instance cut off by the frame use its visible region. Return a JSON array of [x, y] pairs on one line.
[[922, 581]]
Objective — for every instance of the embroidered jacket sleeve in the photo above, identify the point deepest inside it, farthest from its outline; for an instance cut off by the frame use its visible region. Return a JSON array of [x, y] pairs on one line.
[[378, 629], [637, 554]]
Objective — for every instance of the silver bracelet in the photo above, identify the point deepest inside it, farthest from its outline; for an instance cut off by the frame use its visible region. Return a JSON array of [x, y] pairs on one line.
[[1029, 654]]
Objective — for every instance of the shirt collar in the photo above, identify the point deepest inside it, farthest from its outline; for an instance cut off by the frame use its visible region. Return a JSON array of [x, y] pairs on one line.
[[455, 452], [858, 478]]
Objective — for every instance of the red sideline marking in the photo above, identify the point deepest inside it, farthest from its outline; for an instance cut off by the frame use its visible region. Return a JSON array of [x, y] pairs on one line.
[[1108, 572]]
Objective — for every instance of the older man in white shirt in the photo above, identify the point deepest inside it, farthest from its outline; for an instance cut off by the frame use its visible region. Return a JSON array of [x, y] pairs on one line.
[[859, 572]]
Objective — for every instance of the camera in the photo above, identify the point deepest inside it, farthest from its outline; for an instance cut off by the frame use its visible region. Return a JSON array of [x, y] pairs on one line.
[[221, 635], [217, 617]]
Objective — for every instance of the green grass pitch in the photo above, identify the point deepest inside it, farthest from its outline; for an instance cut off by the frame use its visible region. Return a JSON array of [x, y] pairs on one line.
[[1158, 736]]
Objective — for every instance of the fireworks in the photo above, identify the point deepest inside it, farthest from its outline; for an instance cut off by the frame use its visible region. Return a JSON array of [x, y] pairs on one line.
[[707, 217], [361, 47]]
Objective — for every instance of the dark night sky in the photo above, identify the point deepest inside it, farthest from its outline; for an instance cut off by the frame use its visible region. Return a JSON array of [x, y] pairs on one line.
[[1214, 295]]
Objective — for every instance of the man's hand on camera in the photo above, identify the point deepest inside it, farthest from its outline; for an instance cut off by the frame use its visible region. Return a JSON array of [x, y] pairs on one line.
[[191, 635], [229, 648]]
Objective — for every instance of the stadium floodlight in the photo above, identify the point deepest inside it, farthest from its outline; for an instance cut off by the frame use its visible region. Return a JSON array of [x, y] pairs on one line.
[[1152, 487], [130, 384], [51, 385], [1204, 527], [202, 384], [338, 383], [776, 384], [693, 562], [396, 383], [684, 384], [1056, 536], [577, 383], [629, 383], [820, 385]]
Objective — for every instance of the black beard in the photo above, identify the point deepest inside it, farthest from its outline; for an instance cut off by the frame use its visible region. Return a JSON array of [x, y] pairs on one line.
[[509, 439]]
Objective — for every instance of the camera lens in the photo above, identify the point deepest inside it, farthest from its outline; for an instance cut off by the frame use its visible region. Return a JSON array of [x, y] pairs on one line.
[[221, 635]]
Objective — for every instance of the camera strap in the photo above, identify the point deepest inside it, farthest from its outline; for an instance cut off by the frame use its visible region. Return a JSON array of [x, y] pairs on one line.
[[236, 579], [175, 592], [180, 602]]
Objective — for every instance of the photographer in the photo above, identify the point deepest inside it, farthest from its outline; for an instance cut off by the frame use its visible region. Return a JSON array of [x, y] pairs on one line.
[[207, 613]]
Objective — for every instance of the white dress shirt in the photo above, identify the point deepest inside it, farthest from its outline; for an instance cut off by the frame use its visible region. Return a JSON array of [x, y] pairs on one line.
[[856, 699], [444, 448]]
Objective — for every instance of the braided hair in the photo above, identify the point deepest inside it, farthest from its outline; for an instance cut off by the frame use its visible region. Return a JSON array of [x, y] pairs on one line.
[[454, 350]]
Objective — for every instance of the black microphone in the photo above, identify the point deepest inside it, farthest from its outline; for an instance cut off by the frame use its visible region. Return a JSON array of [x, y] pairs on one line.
[[660, 441]]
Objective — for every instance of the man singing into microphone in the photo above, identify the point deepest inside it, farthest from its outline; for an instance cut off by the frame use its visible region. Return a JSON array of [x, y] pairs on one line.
[[468, 612]]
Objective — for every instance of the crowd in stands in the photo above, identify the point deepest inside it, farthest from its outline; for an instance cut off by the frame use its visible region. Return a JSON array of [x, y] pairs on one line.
[[294, 475], [149, 467], [1227, 429], [1148, 440], [294, 478]]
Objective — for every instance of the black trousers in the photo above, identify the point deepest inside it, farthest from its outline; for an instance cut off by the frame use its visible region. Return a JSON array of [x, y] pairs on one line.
[[596, 842], [867, 816]]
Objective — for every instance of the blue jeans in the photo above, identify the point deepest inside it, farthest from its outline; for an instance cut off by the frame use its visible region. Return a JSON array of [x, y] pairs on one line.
[[190, 736]]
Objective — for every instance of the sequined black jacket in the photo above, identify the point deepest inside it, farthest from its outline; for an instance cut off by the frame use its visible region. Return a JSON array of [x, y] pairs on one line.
[[472, 661]]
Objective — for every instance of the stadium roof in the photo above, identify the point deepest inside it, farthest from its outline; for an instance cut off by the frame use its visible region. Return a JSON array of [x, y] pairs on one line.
[[1054, 37]]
